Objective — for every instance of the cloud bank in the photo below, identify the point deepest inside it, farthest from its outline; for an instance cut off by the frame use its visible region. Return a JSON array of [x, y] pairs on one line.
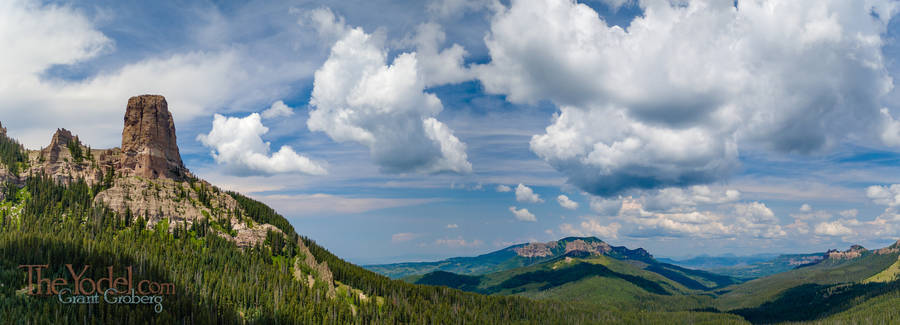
[[669, 101]]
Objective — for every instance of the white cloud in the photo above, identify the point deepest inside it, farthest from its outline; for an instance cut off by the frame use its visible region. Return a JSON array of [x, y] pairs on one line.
[[668, 102], [523, 214], [437, 66], [834, 228], [278, 109], [525, 194], [452, 226], [757, 220], [884, 195], [850, 214], [357, 96], [458, 242], [38, 37], [752, 219], [606, 206], [592, 227], [503, 188], [805, 208], [237, 144], [403, 237], [675, 199], [565, 202]]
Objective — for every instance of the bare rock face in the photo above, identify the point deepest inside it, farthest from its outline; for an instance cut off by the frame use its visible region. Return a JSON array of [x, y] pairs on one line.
[[149, 148], [67, 159], [58, 149], [536, 249], [854, 252], [597, 248]]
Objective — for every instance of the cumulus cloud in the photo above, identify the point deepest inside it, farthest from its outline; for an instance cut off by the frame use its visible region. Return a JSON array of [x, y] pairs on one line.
[[278, 109], [359, 96], [606, 206], [565, 202], [526, 194], [403, 237], [39, 37], [805, 208], [833, 228], [668, 101], [884, 195], [237, 144], [674, 198], [438, 66], [592, 227], [452, 226], [503, 188], [752, 219], [523, 214]]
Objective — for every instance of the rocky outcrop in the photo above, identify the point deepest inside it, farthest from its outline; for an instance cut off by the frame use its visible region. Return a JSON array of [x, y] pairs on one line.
[[854, 252], [309, 271], [894, 248], [149, 146], [146, 178], [58, 150], [536, 249], [593, 247], [66, 159]]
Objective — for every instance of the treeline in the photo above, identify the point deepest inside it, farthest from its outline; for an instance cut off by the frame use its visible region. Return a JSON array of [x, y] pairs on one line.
[[12, 154], [217, 282]]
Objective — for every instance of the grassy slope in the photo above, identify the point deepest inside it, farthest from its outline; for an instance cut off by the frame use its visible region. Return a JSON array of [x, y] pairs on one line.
[[756, 292]]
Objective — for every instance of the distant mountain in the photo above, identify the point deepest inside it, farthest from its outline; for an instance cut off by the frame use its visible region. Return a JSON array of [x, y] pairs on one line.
[[706, 262], [841, 286], [748, 267], [837, 282], [593, 279], [514, 256]]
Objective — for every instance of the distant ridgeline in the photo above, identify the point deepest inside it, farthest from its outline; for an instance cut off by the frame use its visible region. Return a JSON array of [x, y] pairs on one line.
[[229, 258], [855, 285]]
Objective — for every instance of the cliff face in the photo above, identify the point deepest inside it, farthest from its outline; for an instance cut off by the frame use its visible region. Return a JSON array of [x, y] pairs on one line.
[[146, 177], [149, 146]]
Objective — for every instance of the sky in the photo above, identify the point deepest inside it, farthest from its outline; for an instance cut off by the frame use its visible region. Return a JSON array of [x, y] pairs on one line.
[[396, 131]]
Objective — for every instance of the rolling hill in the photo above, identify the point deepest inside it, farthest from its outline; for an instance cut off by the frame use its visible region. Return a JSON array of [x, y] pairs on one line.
[[511, 257]]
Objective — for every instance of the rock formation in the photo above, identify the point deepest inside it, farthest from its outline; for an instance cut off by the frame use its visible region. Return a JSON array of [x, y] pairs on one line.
[[145, 178], [149, 147], [592, 247], [58, 150], [854, 252], [536, 249]]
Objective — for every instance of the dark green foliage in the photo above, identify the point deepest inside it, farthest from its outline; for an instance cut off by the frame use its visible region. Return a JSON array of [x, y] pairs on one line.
[[75, 149], [680, 275], [452, 280], [217, 282], [12, 154], [812, 301]]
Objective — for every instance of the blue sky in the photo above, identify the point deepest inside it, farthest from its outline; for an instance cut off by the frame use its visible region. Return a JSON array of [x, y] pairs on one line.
[[398, 131]]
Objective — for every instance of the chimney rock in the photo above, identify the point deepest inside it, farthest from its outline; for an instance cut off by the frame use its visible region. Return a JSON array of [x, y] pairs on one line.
[[149, 148]]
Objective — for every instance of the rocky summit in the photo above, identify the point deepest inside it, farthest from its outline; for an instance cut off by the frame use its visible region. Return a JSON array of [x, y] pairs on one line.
[[149, 146], [145, 178]]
